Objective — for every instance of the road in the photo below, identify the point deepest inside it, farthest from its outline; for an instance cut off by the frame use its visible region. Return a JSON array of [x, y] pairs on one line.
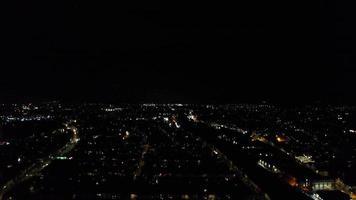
[[36, 168]]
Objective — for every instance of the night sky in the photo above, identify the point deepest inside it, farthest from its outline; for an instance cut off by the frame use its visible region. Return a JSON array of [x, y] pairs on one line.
[[181, 51]]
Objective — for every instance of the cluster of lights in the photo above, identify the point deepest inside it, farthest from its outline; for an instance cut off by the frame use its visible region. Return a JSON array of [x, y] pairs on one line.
[[305, 159], [112, 109], [24, 119]]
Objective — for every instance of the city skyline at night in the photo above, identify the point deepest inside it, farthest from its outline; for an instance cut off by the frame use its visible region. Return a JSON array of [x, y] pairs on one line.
[[178, 100]]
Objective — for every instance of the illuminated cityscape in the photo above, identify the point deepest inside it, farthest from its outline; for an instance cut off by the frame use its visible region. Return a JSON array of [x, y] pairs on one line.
[[177, 151], [187, 100]]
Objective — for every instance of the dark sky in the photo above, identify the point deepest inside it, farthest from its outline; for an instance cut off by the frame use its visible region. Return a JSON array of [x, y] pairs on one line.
[[178, 51]]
